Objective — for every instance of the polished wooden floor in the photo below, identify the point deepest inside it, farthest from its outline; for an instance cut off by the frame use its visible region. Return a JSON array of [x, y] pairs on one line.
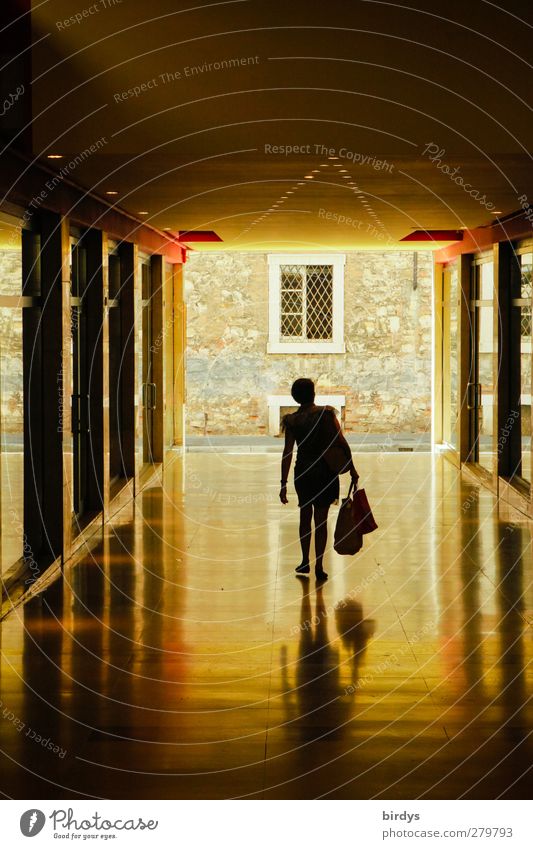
[[181, 658]]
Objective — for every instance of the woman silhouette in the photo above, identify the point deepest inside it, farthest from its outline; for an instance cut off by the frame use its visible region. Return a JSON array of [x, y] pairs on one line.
[[314, 429]]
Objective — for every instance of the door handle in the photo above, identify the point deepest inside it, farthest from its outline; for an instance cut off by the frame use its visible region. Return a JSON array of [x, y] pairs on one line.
[[74, 415], [474, 392], [149, 395], [79, 416], [86, 428]]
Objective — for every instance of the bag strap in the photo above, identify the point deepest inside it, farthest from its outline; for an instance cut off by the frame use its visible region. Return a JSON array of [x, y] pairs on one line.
[[352, 486]]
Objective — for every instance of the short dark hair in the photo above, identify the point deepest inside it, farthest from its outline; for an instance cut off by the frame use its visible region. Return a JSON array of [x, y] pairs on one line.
[[303, 390]]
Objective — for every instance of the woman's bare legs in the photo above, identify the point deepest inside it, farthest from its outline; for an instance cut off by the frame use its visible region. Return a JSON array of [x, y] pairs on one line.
[[321, 538], [306, 514]]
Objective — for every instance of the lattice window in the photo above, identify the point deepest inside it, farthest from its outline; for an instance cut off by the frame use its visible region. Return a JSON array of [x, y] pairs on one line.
[[306, 302], [526, 291]]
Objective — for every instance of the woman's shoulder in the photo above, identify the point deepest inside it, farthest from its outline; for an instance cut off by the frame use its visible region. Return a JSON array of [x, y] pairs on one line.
[[287, 421], [330, 410]]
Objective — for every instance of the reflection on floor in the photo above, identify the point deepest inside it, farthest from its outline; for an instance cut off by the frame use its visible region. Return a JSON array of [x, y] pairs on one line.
[[181, 657]]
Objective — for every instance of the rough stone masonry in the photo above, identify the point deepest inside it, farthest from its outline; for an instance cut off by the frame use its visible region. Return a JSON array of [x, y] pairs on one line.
[[385, 373]]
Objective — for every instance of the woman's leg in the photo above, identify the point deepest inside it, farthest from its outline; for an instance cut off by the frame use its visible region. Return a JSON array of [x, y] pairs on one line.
[[321, 538], [306, 514]]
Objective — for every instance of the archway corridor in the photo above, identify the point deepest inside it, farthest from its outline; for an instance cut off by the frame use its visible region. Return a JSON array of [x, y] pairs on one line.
[[255, 258]]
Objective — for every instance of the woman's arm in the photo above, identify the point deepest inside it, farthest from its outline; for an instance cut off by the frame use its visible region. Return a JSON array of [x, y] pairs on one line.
[[286, 464]]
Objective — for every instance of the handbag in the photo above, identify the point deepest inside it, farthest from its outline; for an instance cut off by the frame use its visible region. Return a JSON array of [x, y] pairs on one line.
[[348, 538], [362, 514], [338, 461]]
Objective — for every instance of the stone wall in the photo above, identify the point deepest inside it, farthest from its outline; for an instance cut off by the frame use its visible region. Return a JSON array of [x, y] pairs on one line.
[[385, 373]]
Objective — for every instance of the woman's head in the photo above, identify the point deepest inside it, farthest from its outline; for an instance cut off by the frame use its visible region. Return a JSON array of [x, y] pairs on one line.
[[303, 390]]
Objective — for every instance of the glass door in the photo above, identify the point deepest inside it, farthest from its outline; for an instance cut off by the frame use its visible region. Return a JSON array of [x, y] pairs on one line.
[[21, 390], [450, 366], [480, 399], [520, 416], [80, 396], [12, 514], [148, 393], [115, 357]]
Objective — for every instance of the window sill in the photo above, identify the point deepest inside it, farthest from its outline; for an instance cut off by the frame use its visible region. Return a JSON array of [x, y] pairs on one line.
[[276, 402], [306, 348]]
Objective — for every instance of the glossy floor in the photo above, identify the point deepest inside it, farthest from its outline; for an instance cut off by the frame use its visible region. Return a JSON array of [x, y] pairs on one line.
[[11, 509], [180, 657]]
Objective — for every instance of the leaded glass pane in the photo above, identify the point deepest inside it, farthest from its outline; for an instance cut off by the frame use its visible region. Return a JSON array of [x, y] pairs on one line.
[[292, 276], [306, 302], [292, 325], [291, 302], [319, 302]]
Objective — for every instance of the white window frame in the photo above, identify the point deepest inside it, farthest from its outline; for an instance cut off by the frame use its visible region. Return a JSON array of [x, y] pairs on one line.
[[276, 402], [275, 344]]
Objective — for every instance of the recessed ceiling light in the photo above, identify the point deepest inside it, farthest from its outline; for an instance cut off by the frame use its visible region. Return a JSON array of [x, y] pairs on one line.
[[284, 197], [290, 193], [323, 165], [309, 177], [333, 157], [315, 171], [339, 165], [346, 177], [54, 156], [111, 193], [496, 212], [142, 213]]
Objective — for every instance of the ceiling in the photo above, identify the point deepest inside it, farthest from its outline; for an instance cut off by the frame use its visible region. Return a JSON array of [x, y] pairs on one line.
[[228, 116]]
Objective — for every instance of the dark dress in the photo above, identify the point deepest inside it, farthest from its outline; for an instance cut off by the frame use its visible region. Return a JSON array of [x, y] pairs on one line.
[[313, 430]]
